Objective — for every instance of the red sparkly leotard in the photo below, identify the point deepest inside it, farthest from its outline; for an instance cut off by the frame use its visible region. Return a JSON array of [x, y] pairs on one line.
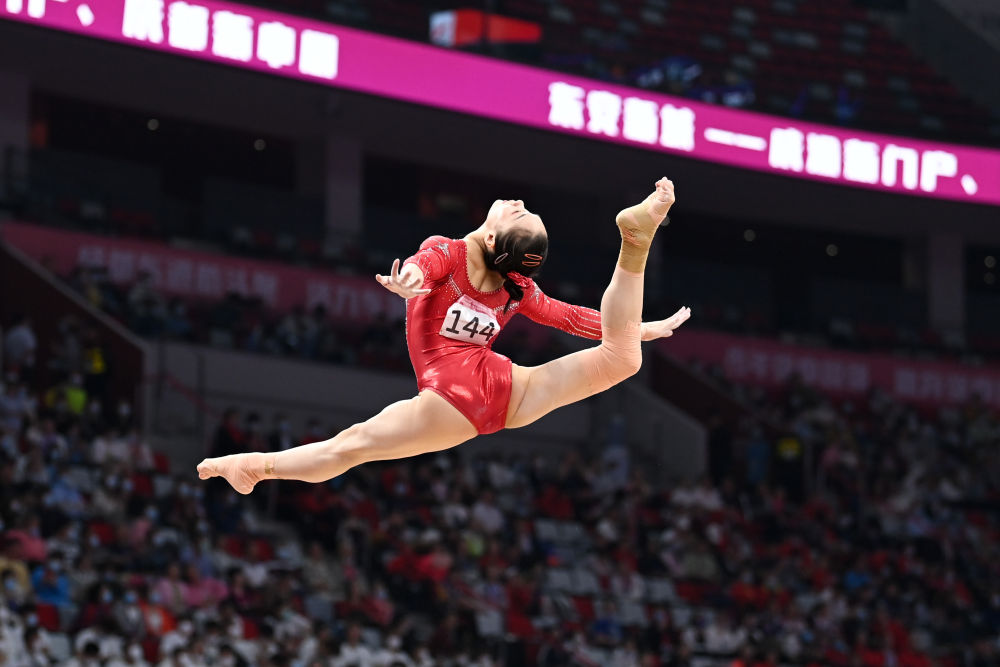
[[450, 332]]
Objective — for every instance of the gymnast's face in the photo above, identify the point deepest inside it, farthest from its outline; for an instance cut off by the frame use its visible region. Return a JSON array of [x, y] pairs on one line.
[[506, 214]]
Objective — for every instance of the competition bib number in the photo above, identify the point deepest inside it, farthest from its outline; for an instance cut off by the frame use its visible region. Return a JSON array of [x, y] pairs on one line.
[[470, 322]]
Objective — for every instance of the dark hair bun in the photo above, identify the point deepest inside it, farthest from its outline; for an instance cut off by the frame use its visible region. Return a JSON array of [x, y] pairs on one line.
[[518, 251]]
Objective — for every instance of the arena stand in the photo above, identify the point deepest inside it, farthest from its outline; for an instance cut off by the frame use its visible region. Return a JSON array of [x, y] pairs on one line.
[[828, 533]]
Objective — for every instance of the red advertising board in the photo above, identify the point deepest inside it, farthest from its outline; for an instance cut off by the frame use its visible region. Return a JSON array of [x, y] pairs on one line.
[[771, 363], [204, 275]]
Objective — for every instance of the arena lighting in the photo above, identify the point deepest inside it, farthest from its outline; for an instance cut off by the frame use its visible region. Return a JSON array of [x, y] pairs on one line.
[[749, 235], [152, 125], [832, 250], [990, 261], [289, 46]]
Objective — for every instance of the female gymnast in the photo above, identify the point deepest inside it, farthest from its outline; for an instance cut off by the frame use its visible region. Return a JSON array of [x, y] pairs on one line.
[[459, 294]]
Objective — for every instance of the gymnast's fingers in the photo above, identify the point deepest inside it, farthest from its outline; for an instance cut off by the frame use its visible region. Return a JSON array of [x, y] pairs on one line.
[[680, 317]]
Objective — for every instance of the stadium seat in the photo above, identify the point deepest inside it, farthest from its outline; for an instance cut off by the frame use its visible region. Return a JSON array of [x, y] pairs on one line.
[[250, 629], [48, 616], [105, 532], [161, 463]]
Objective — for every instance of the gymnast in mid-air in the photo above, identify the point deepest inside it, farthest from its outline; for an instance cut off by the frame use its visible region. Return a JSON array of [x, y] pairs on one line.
[[459, 294]]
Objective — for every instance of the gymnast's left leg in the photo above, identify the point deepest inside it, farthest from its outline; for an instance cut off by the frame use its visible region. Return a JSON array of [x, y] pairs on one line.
[[425, 423]]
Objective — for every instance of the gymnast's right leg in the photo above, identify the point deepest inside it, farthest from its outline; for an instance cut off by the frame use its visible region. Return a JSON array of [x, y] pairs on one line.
[[539, 390], [425, 423]]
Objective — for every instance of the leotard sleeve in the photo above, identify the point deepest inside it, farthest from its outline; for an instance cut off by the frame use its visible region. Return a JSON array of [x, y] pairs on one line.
[[435, 258], [576, 320]]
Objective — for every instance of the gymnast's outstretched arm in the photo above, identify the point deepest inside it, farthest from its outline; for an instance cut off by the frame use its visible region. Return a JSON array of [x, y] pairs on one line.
[[586, 322]]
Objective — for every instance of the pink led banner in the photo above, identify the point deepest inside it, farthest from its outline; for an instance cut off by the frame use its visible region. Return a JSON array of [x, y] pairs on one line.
[[252, 38]]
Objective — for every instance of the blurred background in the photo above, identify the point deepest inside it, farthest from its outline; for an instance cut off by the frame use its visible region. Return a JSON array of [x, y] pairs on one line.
[[195, 196]]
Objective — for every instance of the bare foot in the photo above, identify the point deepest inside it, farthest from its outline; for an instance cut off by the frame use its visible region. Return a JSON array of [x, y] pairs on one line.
[[638, 223], [242, 471]]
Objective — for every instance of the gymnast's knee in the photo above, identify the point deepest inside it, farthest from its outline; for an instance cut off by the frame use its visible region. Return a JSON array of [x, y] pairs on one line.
[[617, 358], [352, 446]]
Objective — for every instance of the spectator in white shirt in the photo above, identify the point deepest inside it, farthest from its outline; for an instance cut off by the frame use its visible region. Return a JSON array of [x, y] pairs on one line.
[[392, 655], [722, 638], [352, 652], [455, 513], [132, 657], [486, 515], [19, 344], [15, 404], [256, 570], [109, 447]]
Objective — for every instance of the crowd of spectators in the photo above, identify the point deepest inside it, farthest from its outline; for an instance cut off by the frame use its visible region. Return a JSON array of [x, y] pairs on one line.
[[833, 534]]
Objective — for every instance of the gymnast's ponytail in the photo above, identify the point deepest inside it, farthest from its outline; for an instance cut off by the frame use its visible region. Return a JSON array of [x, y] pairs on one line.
[[517, 255]]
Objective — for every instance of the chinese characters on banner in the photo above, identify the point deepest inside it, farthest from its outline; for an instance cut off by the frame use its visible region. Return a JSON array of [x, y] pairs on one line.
[[231, 35], [769, 363], [602, 113], [861, 161], [205, 276]]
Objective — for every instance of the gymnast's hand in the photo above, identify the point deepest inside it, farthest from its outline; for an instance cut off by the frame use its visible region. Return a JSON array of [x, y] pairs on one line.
[[665, 328], [406, 283]]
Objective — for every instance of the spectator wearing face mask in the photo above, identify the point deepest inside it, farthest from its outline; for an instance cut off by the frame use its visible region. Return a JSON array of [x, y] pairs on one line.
[[14, 587], [159, 621], [50, 583], [128, 616]]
